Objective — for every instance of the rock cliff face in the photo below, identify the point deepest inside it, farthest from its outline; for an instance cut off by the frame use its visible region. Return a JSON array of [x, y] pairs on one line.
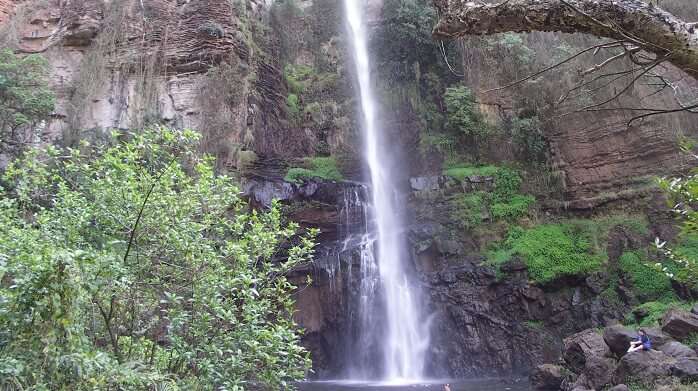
[[219, 66], [603, 160]]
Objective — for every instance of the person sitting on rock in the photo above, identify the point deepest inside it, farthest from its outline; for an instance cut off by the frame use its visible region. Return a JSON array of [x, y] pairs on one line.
[[641, 343]]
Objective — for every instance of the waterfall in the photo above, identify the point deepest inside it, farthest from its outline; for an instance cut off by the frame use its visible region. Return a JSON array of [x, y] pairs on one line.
[[404, 334]]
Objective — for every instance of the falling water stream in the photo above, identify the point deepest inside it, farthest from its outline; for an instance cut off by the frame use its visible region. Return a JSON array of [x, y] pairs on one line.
[[404, 329]]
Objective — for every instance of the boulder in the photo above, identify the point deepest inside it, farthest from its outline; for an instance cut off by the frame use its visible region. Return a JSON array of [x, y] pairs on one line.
[[677, 350], [598, 372], [644, 367], [547, 377], [694, 310], [686, 369], [581, 347], [679, 324], [619, 387], [618, 338]]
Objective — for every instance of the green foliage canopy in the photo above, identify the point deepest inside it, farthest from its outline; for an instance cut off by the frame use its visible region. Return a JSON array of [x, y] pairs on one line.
[[462, 114], [682, 256], [648, 283], [25, 98], [132, 266]]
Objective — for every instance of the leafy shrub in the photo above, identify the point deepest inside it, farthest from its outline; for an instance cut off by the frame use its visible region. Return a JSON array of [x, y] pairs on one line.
[[648, 282], [550, 251], [320, 167], [404, 39], [211, 29], [25, 98], [462, 171], [505, 202], [132, 266], [462, 114], [683, 191], [528, 136], [507, 183], [514, 208], [292, 104], [297, 77], [655, 311], [470, 209], [513, 47]]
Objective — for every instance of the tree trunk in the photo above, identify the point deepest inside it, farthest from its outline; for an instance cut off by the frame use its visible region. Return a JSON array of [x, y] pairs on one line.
[[642, 24]]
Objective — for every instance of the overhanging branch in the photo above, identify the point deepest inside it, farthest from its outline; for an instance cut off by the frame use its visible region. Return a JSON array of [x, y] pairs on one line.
[[644, 25]]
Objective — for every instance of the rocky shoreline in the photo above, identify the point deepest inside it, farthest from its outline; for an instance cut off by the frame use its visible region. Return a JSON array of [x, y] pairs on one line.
[[596, 359]]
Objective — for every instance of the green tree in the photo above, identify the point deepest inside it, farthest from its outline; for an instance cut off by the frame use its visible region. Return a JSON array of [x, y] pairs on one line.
[[462, 114], [132, 266], [404, 43], [25, 99], [681, 257]]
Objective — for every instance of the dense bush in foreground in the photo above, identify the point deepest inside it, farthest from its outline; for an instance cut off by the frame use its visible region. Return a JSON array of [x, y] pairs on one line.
[[132, 266]]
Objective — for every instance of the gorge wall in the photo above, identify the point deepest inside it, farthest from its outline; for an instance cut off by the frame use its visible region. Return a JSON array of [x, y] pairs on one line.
[[266, 85]]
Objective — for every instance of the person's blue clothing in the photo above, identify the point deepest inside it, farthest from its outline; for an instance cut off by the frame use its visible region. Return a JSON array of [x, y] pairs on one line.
[[646, 343]]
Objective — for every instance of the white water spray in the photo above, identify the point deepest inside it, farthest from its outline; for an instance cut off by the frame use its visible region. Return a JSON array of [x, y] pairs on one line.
[[406, 332]]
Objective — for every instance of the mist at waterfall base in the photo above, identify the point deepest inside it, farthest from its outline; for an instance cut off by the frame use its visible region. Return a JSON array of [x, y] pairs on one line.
[[456, 385]]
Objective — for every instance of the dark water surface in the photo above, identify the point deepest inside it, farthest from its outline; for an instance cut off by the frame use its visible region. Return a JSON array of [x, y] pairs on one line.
[[456, 385]]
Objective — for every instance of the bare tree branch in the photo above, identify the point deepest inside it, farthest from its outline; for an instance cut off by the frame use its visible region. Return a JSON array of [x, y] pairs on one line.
[[644, 25]]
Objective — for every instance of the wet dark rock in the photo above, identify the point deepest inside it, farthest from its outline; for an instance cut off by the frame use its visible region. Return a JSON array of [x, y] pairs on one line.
[[618, 339], [447, 246], [582, 347], [598, 372], [677, 350], [547, 377], [263, 191], [686, 369], [679, 324], [426, 183], [643, 367]]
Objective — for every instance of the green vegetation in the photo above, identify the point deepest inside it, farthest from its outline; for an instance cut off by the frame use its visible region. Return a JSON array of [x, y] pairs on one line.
[[470, 209], [682, 255], [568, 248], [534, 324], [512, 46], [504, 203], [292, 105], [655, 311], [318, 167], [528, 137], [25, 99], [404, 47], [297, 77], [648, 282], [462, 116], [464, 170], [552, 251], [132, 266], [515, 207]]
